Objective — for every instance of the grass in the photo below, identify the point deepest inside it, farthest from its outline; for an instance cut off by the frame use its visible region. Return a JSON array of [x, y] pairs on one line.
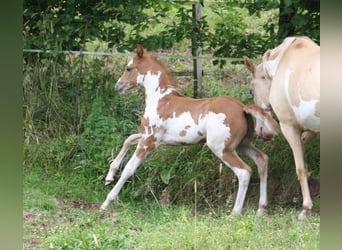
[[55, 222]]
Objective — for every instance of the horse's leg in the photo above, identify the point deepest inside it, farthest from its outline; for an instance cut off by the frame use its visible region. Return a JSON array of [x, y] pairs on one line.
[[261, 160], [128, 171], [306, 137], [145, 146], [239, 167], [115, 164], [243, 173], [293, 137]]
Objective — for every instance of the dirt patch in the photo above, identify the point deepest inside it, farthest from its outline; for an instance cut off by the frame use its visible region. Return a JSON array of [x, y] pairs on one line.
[[79, 204], [35, 222]]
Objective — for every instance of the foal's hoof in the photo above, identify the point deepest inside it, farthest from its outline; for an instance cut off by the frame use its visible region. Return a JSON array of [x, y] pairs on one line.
[[107, 182], [234, 214], [103, 207], [262, 210]]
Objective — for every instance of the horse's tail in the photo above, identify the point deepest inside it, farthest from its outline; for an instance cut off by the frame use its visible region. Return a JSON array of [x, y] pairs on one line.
[[266, 126]]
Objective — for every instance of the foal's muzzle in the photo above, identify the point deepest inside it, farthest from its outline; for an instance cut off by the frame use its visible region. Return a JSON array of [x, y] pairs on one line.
[[120, 87]]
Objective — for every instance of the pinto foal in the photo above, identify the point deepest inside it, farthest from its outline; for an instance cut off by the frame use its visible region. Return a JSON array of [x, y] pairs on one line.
[[171, 118]]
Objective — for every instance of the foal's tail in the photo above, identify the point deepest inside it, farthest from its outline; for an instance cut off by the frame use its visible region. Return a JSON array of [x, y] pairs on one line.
[[266, 126]]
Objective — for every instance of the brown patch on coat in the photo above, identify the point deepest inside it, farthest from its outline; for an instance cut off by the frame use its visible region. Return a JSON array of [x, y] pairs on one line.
[[145, 146], [184, 131], [233, 159], [180, 104]]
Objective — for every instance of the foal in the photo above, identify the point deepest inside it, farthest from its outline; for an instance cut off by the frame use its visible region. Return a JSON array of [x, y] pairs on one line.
[[171, 118]]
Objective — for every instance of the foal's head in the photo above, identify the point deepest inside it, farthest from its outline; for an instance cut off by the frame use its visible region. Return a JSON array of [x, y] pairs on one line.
[[142, 64]]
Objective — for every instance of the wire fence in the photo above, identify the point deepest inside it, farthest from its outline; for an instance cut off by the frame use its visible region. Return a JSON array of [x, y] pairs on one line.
[[102, 53], [180, 64]]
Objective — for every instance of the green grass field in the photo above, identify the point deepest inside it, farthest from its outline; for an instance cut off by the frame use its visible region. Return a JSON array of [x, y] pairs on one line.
[[57, 222]]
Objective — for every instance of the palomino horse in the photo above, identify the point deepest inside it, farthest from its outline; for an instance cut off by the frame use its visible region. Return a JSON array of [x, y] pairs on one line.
[[287, 82], [174, 119]]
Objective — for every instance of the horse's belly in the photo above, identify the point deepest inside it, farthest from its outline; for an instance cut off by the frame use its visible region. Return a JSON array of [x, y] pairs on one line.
[[182, 140], [183, 135], [183, 130]]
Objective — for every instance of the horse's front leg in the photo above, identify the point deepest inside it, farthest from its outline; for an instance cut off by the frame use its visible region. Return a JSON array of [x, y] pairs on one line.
[[115, 164], [144, 147]]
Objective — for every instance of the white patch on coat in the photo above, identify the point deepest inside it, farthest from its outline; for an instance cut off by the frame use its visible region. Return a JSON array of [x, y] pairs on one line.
[[217, 132], [130, 62], [140, 78], [305, 112]]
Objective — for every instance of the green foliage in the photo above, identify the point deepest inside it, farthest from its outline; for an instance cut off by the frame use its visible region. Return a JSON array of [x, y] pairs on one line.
[[231, 38], [66, 25], [295, 17]]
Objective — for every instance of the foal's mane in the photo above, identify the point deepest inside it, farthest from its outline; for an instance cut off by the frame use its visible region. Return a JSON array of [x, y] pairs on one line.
[[171, 79]]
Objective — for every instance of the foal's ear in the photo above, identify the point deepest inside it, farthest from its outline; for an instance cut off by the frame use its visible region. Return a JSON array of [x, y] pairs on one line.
[[140, 50]]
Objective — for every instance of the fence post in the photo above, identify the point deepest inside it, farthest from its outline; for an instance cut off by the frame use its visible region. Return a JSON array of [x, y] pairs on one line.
[[197, 51]]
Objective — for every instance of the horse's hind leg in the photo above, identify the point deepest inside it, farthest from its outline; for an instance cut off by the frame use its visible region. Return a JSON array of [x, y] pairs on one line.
[[261, 160], [115, 164], [243, 173], [293, 137], [241, 170]]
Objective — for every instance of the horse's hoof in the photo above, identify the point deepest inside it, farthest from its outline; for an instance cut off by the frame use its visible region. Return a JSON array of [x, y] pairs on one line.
[[107, 182], [302, 214], [261, 212], [103, 207]]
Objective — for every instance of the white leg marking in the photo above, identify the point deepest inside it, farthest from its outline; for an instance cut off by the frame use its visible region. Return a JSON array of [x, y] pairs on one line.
[[129, 170], [114, 166], [261, 160], [243, 177]]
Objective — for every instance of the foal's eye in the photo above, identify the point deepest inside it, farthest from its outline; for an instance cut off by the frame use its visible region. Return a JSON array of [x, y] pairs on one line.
[[129, 69]]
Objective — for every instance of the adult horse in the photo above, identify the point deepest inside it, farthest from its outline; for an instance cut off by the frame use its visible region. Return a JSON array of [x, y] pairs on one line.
[[287, 82], [174, 119]]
